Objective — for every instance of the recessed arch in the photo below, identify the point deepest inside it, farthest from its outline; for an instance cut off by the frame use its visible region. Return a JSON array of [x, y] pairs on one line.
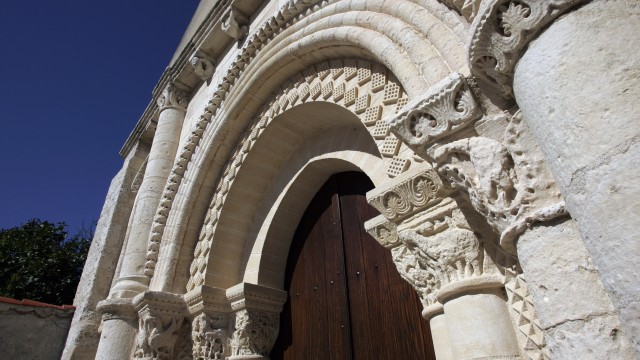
[[305, 143], [254, 74]]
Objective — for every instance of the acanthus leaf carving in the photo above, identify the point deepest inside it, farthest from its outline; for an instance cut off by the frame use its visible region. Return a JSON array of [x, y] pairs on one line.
[[501, 31], [448, 107], [173, 98]]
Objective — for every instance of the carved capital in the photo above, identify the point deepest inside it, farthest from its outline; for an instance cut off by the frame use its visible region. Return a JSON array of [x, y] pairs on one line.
[[384, 231], [172, 98], [234, 23], [409, 193], [210, 337], [446, 108], [203, 65], [255, 332], [509, 185], [160, 320], [116, 309], [501, 32]]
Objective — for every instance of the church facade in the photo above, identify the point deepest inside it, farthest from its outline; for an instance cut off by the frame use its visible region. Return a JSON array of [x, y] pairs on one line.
[[450, 179]]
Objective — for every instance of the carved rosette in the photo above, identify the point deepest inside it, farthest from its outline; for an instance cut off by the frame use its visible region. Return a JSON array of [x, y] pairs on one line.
[[172, 98], [160, 317], [501, 31], [448, 107]]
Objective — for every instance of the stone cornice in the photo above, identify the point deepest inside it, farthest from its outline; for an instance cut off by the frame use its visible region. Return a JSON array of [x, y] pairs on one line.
[[210, 38]]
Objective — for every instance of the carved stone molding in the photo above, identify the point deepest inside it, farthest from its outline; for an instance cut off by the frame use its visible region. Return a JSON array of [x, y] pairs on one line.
[[172, 98], [160, 321], [501, 31], [203, 65], [448, 107], [408, 194], [256, 298], [348, 83], [234, 23]]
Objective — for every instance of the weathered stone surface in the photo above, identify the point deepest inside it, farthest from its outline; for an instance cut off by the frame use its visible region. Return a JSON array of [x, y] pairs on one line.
[[578, 87], [465, 180]]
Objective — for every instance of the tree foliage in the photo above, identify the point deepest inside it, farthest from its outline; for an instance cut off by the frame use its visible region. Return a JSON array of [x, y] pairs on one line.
[[39, 261]]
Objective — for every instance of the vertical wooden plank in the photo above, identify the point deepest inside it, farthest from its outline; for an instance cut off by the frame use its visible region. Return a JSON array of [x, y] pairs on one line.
[[338, 322], [361, 329]]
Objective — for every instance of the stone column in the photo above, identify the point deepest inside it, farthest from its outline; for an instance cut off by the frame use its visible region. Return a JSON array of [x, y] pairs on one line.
[[118, 329], [172, 106], [436, 251], [575, 79], [439, 331]]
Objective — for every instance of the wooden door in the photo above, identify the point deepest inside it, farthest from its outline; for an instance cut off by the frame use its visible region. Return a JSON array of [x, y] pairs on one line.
[[346, 299]]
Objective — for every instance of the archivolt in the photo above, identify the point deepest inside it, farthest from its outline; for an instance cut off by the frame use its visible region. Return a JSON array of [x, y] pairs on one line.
[[269, 57], [359, 86]]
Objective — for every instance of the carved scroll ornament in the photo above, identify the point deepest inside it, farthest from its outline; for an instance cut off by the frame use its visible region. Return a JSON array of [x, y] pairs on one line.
[[448, 107], [411, 192], [501, 31]]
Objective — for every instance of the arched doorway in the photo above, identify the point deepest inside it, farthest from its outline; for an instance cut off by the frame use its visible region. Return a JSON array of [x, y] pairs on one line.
[[345, 298]]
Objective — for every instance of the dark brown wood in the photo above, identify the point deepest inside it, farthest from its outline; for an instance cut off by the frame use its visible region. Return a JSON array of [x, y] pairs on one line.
[[346, 299]]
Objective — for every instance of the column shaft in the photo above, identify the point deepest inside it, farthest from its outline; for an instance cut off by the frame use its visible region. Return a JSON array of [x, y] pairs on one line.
[[480, 327], [578, 86], [440, 337]]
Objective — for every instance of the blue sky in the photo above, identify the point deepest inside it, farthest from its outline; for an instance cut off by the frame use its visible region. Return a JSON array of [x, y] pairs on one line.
[[75, 76]]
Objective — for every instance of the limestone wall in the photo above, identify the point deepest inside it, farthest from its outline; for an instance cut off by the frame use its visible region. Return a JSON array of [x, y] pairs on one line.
[[33, 330]]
